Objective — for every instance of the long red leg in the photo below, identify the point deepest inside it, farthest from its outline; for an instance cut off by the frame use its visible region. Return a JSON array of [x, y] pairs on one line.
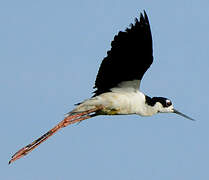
[[67, 121]]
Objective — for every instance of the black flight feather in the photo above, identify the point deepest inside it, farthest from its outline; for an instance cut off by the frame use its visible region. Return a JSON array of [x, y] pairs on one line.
[[129, 58]]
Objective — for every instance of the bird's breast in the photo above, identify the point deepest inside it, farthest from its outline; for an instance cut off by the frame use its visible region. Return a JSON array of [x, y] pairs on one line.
[[121, 102], [117, 103]]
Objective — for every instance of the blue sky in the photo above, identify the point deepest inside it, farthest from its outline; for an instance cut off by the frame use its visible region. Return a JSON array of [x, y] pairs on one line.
[[50, 55]]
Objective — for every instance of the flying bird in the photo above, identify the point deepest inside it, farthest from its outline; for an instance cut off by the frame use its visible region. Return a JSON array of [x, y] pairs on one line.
[[117, 83]]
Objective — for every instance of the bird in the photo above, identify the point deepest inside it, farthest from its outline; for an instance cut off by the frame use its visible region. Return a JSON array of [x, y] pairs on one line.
[[117, 85]]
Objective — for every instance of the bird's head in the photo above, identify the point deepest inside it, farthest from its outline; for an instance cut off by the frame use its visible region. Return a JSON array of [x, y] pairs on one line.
[[164, 105]]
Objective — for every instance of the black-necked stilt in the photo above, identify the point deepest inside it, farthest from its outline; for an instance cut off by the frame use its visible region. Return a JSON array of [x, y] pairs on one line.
[[117, 83]]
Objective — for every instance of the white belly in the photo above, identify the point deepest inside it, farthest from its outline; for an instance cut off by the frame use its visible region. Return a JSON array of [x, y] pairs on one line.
[[117, 103], [123, 102]]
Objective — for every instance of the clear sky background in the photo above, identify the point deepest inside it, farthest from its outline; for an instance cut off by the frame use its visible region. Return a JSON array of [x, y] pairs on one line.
[[50, 52]]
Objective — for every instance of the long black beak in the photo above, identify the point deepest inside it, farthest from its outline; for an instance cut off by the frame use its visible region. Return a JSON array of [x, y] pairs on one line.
[[181, 114]]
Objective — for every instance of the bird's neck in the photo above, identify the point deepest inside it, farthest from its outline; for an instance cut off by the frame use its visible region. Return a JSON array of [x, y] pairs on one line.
[[150, 107]]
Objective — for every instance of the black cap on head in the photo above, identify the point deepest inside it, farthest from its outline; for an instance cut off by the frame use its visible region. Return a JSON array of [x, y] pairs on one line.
[[152, 101]]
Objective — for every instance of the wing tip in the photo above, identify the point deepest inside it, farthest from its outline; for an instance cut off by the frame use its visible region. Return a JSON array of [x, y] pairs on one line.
[[143, 17], [104, 82]]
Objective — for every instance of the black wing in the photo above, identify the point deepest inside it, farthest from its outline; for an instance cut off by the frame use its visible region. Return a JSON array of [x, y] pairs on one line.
[[129, 58]]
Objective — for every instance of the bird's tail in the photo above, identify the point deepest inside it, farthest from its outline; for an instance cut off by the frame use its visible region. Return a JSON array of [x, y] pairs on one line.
[[71, 118]]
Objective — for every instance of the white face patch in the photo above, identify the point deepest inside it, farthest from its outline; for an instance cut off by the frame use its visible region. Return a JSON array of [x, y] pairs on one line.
[[162, 109], [168, 102]]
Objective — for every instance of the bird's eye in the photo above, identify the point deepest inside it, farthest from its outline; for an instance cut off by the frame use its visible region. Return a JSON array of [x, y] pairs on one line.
[[168, 103]]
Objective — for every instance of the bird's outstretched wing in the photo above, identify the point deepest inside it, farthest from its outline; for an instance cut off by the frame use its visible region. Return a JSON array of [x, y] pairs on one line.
[[129, 58]]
